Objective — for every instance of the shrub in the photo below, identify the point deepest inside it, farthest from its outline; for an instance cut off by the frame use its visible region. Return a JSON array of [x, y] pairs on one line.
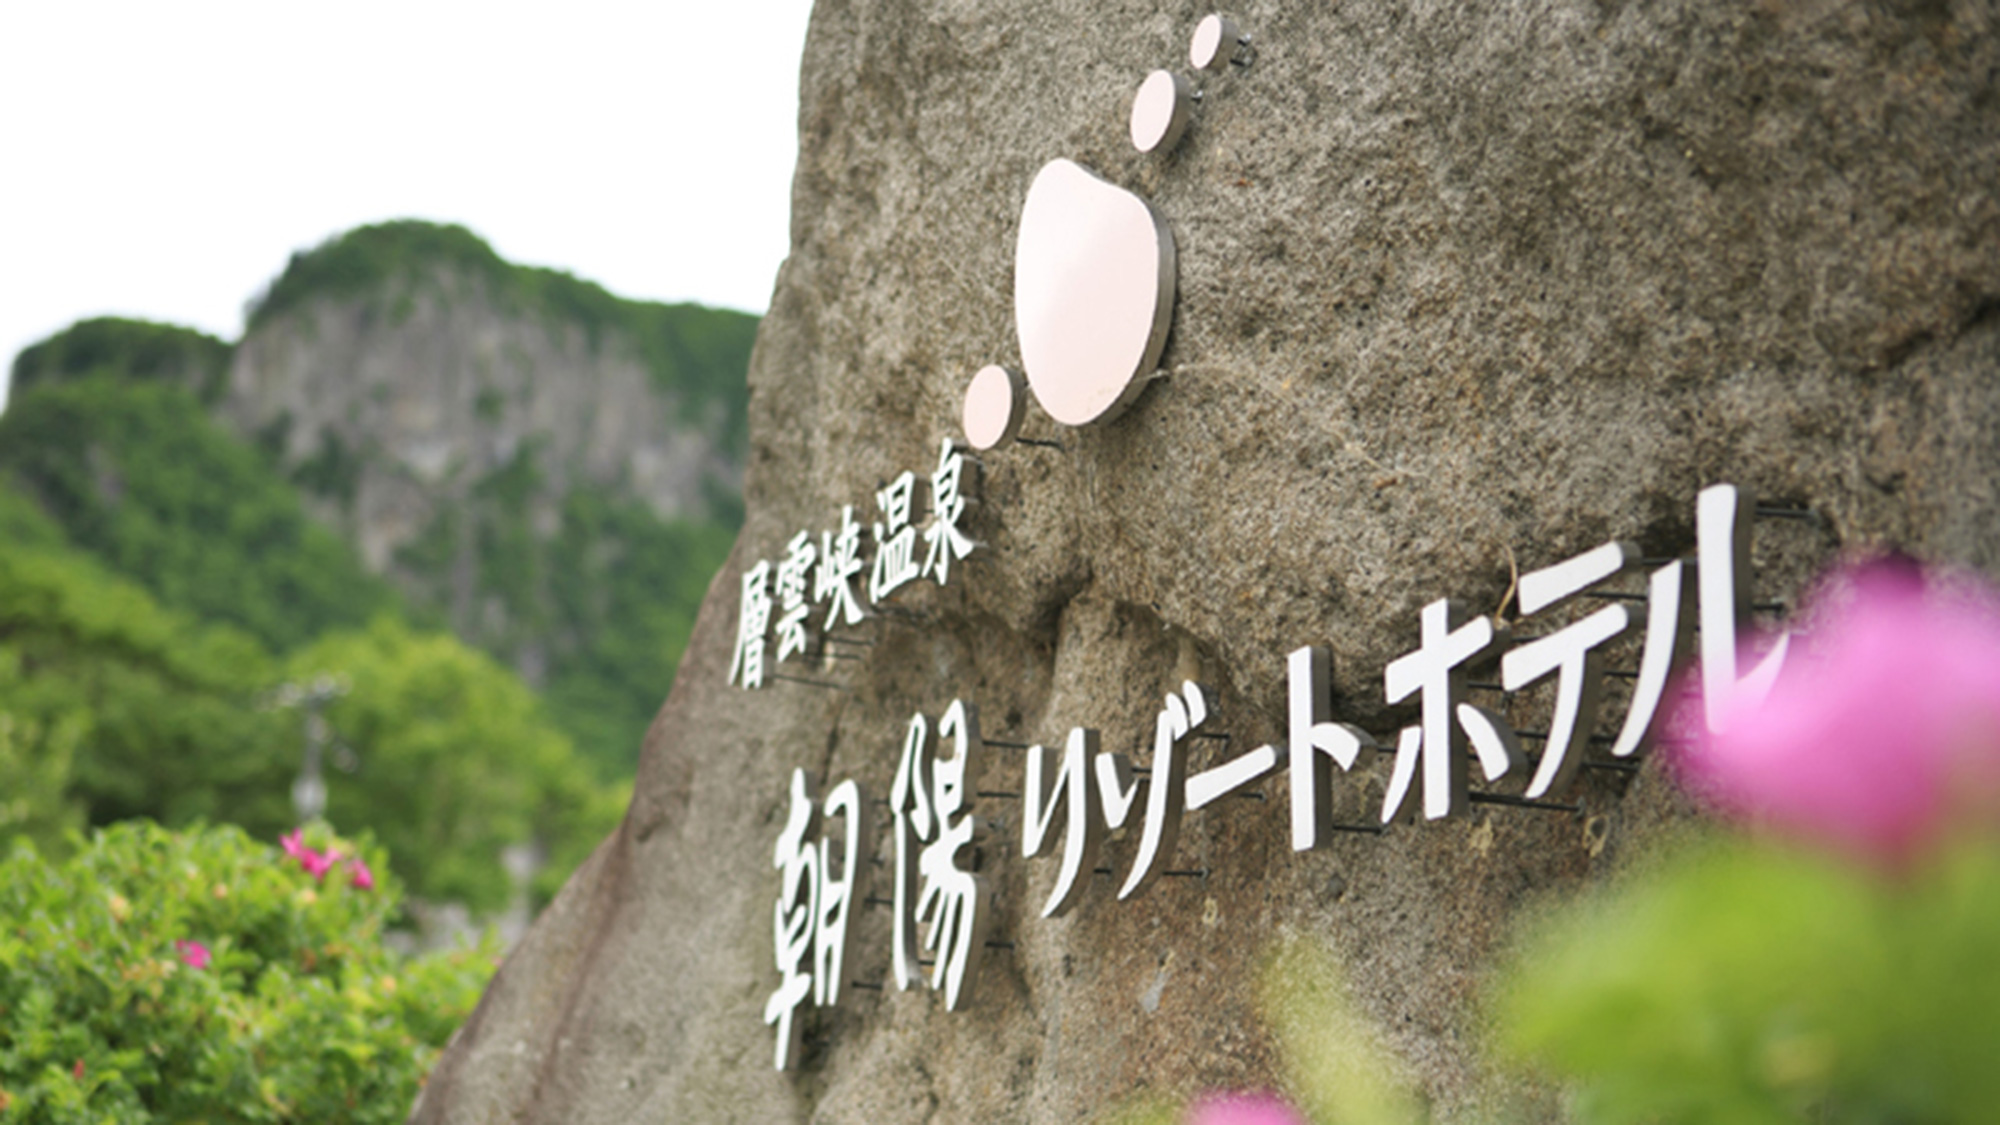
[[204, 976], [1830, 959]]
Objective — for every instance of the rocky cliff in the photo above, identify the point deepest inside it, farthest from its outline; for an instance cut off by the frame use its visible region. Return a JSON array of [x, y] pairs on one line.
[[515, 449], [397, 407], [1462, 291]]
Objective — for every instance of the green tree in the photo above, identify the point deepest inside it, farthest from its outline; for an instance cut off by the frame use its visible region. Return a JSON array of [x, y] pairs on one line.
[[456, 762], [631, 583], [113, 707], [607, 603], [136, 349], [35, 800], [138, 710], [136, 474]]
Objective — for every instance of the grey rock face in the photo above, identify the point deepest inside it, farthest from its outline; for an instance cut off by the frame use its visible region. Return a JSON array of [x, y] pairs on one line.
[[1463, 289], [398, 409]]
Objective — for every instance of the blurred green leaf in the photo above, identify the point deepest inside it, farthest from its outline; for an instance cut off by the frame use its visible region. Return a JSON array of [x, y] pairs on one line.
[[1746, 981]]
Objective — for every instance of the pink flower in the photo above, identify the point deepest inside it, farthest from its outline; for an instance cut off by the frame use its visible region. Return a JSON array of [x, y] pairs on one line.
[[1244, 1109], [364, 879], [319, 863], [1882, 732], [193, 954]]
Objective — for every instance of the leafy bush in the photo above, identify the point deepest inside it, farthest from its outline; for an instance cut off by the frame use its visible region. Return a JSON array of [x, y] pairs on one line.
[[203, 976]]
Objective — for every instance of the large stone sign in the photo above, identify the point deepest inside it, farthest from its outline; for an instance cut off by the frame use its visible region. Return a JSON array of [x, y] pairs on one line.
[[1410, 303]]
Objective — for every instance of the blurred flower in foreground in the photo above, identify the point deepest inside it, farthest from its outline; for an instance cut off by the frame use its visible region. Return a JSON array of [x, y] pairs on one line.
[[363, 878], [316, 862], [1883, 733], [193, 953], [319, 863], [1742, 977], [1244, 1109]]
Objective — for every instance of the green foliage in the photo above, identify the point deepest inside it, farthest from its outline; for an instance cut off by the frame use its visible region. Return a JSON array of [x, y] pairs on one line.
[[332, 471], [631, 583], [1745, 982], [1338, 1060], [609, 601], [132, 710], [700, 354], [112, 707], [456, 763], [23, 525], [299, 1015], [135, 349], [139, 476], [35, 762]]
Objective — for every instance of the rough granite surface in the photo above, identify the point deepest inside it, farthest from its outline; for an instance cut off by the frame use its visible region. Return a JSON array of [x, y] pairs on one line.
[[1464, 288]]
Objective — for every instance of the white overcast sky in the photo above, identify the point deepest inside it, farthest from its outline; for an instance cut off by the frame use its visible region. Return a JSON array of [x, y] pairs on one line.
[[162, 160]]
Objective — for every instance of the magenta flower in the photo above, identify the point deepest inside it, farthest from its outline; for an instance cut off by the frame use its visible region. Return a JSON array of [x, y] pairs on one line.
[[193, 954], [1881, 733], [1244, 1109], [364, 879], [319, 863]]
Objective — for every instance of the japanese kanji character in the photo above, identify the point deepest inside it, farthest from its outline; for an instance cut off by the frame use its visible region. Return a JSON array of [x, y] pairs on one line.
[[794, 572], [795, 920], [895, 539], [814, 915], [931, 889], [849, 802], [945, 541], [911, 812], [839, 565], [954, 901], [753, 617]]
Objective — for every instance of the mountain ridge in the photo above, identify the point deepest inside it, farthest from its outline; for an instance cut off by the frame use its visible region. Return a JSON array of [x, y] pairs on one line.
[[552, 470]]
